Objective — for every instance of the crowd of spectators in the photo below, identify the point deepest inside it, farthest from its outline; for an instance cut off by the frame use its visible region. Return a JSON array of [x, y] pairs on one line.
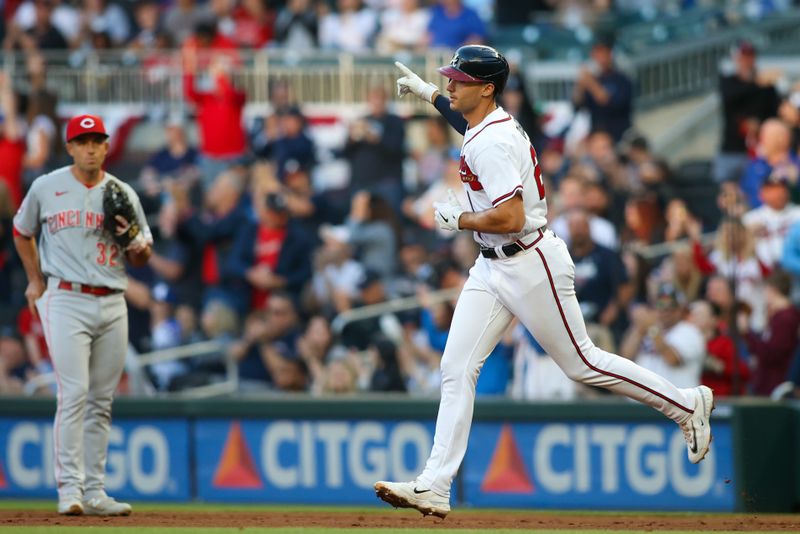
[[252, 253]]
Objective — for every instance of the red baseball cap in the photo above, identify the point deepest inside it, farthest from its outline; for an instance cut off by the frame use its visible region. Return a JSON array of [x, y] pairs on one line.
[[85, 124]]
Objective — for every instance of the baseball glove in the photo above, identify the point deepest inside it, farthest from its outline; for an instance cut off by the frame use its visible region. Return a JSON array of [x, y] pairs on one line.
[[116, 202]]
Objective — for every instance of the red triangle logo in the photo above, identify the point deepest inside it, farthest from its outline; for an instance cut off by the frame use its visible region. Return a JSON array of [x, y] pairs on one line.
[[236, 468], [506, 472], [3, 483]]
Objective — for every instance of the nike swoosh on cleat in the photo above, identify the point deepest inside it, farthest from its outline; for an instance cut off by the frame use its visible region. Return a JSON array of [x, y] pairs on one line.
[[422, 491], [445, 219], [693, 448]]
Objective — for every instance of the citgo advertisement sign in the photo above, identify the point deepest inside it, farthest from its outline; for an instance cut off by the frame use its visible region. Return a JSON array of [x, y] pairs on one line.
[[147, 459], [306, 461], [596, 465]]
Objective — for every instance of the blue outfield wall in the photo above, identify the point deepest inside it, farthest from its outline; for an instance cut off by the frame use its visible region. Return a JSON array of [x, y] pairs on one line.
[[603, 455]]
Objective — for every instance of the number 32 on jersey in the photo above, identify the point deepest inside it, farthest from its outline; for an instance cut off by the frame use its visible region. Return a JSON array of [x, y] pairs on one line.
[[107, 254]]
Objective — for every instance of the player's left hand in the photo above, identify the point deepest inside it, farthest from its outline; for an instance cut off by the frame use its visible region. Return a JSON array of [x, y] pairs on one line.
[[122, 224], [138, 244], [448, 213]]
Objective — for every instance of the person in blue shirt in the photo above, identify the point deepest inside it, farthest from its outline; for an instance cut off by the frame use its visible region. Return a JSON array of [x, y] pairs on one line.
[[452, 24], [775, 159], [601, 282], [605, 92]]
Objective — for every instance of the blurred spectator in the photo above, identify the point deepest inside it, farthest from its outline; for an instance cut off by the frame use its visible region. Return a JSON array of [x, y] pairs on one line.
[[599, 163], [359, 334], [30, 328], [572, 196], [13, 363], [605, 92], [174, 260], [773, 348], [296, 26], [734, 258], [220, 231], [10, 266], [12, 140], [181, 19], [309, 207], [438, 150], [601, 282], [40, 35], [253, 20], [661, 340], [770, 223], [378, 369], [536, 375], [42, 135], [748, 98], [789, 113], [452, 24], [404, 27], [147, 15], [285, 140], [350, 29], [421, 348], [220, 14], [495, 376], [166, 333], [103, 16], [176, 161], [680, 222], [278, 252], [219, 115], [64, 17], [373, 229], [721, 356], [775, 161], [517, 103], [315, 346], [375, 149], [790, 260], [682, 272], [336, 279]]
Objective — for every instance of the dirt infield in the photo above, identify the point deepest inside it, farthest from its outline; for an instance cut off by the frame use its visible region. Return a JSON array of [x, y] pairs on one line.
[[410, 519]]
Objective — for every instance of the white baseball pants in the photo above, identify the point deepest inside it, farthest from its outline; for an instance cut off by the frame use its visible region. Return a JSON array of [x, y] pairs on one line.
[[536, 286], [87, 337]]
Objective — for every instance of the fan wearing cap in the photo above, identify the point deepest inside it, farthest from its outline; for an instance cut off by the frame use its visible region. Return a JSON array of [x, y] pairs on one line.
[[76, 283], [523, 271]]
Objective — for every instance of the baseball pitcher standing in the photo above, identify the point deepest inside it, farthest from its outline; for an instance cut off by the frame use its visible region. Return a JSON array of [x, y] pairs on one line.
[[523, 270], [76, 279]]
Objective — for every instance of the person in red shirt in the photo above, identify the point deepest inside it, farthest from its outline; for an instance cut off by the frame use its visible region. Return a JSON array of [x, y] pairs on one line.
[[254, 21], [270, 236], [721, 356], [219, 113], [12, 142], [773, 349]]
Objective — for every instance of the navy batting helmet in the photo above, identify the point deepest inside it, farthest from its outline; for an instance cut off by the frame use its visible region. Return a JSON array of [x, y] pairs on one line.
[[478, 63]]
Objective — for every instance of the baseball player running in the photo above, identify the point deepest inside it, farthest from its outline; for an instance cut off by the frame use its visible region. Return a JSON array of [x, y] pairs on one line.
[[523, 271], [76, 278]]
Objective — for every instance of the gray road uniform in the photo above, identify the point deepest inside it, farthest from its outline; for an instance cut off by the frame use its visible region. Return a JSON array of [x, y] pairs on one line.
[[84, 317]]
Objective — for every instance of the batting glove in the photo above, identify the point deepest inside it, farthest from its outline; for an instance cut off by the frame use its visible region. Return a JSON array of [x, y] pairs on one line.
[[411, 83], [447, 213]]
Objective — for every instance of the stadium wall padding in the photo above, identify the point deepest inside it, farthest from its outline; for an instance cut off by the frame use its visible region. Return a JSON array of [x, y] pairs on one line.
[[599, 454]]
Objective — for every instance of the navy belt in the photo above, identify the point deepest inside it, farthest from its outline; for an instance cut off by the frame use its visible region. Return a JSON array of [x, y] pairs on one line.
[[510, 249]]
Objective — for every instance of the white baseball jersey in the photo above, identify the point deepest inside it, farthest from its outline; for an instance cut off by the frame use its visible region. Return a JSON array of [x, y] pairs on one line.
[[770, 228], [72, 244], [497, 162]]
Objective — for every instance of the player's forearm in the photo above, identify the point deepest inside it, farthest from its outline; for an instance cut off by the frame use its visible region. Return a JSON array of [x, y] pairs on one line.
[[29, 255], [139, 258], [506, 218]]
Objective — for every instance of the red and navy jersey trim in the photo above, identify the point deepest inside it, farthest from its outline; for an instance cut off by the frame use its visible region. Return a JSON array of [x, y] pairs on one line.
[[482, 129], [507, 195]]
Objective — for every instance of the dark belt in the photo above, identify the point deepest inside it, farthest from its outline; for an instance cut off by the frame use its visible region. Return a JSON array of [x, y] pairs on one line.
[[510, 249], [97, 291]]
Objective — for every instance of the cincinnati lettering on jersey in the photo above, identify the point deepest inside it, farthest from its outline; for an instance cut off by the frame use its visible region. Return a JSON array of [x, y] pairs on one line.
[[469, 177], [73, 218]]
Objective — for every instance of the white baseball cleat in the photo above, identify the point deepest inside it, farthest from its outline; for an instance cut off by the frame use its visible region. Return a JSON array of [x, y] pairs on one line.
[[70, 505], [410, 495], [105, 505], [697, 430]]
